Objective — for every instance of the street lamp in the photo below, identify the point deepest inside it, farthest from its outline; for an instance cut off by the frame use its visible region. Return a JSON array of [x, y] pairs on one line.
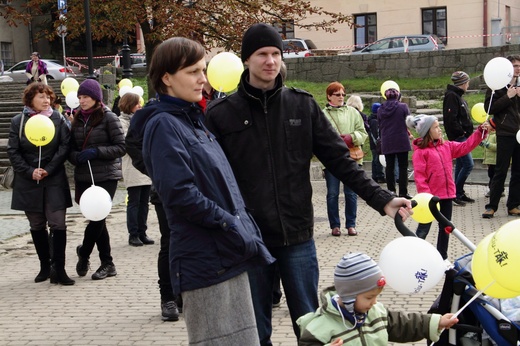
[[88, 37], [127, 64]]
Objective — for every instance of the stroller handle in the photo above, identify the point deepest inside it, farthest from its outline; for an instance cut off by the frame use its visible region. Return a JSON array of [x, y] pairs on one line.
[[401, 227]]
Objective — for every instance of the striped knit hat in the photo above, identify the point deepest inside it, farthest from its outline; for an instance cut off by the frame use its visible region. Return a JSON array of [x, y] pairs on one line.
[[459, 78], [356, 273]]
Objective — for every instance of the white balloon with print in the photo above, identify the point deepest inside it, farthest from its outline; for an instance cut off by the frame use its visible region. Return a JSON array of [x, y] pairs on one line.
[[411, 265], [498, 72]]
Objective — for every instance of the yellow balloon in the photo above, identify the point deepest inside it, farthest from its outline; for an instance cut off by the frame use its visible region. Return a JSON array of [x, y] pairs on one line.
[[224, 71], [125, 82], [39, 130], [421, 212], [481, 274], [504, 256], [141, 101], [389, 84], [69, 84], [478, 113]]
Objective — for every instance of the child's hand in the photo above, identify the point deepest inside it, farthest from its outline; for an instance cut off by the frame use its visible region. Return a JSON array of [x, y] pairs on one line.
[[447, 321], [337, 342]]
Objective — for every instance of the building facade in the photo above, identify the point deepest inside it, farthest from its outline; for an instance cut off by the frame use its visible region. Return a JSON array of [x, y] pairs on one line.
[[460, 24]]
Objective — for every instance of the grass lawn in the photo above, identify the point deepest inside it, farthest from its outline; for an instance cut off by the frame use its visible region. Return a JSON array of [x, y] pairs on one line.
[[365, 85]]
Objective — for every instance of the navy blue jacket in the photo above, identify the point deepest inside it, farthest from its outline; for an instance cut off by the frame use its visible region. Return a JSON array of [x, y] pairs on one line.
[[213, 238]]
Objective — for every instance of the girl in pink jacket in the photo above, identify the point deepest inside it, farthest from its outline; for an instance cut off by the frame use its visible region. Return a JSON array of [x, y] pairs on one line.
[[433, 167]]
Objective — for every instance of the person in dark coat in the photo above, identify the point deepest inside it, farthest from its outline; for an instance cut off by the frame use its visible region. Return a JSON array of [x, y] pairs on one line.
[[395, 140], [377, 168], [98, 144], [270, 134], [214, 240], [41, 186], [458, 126]]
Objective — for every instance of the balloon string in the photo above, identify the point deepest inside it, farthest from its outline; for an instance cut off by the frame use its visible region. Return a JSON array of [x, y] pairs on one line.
[[90, 169], [489, 108], [39, 162], [469, 302]]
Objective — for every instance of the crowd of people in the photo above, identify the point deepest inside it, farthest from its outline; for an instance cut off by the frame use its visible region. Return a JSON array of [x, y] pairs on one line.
[[229, 178]]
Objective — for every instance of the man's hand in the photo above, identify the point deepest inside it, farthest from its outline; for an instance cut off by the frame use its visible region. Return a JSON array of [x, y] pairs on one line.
[[399, 205], [447, 321]]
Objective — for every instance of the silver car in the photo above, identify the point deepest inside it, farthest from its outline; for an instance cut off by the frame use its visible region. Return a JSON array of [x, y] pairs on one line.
[[56, 71], [403, 43]]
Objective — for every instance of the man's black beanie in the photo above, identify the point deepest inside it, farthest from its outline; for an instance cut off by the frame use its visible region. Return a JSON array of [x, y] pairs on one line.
[[258, 36]]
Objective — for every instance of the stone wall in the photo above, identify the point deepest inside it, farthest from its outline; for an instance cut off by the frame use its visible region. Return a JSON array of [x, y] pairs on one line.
[[402, 65]]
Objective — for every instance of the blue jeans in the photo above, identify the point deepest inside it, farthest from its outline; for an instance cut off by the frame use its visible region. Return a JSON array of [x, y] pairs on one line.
[[299, 271], [446, 209], [137, 209], [463, 167], [333, 184]]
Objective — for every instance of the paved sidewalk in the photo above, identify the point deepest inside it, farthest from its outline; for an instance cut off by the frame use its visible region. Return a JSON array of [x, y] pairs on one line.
[[125, 310]]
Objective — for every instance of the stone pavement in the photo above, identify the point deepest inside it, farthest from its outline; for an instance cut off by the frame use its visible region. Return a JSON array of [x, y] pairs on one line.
[[125, 310]]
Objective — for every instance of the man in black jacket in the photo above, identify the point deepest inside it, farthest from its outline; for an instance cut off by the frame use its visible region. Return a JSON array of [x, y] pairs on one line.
[[505, 108], [459, 127], [269, 134]]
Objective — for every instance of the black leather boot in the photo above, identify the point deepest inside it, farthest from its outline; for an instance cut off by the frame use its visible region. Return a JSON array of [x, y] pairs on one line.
[[41, 243], [58, 274]]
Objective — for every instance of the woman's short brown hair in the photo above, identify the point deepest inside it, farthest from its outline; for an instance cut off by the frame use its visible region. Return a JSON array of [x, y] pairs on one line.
[[171, 56], [333, 87], [37, 88], [127, 102]]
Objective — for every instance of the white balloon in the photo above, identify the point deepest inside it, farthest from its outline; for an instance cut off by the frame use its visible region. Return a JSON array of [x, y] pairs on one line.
[[411, 265], [95, 203], [124, 89], [382, 160], [72, 99], [498, 72], [137, 90], [518, 136]]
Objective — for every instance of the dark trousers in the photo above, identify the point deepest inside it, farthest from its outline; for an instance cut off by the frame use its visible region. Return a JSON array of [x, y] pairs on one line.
[[96, 232], [402, 159], [446, 208], [163, 260], [508, 150], [137, 209]]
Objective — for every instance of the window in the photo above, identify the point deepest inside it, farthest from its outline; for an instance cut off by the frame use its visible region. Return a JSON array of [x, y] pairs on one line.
[[285, 28], [365, 29], [6, 54], [434, 22], [5, 2]]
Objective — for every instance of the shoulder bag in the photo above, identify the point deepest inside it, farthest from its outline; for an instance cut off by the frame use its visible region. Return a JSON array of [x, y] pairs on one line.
[[8, 177]]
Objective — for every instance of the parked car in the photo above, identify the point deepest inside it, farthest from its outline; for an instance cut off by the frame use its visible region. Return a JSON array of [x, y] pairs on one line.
[[297, 48], [56, 71], [397, 44]]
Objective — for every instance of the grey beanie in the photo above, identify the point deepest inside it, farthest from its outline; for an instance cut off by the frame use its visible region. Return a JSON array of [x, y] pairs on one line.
[[420, 123], [258, 36], [356, 273]]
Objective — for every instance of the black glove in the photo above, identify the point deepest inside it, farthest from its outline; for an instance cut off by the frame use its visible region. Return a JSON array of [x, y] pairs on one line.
[[86, 155]]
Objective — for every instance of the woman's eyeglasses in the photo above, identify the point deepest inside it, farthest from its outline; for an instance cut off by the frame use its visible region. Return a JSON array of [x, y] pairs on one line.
[[339, 94]]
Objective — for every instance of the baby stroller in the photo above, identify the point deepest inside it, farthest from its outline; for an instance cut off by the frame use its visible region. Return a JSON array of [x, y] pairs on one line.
[[481, 323]]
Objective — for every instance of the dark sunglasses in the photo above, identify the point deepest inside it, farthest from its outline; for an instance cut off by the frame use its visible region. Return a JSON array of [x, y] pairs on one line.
[[339, 94]]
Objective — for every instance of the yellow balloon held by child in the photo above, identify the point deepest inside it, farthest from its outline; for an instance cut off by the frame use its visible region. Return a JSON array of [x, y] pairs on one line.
[[39, 130], [224, 71], [478, 113], [421, 212]]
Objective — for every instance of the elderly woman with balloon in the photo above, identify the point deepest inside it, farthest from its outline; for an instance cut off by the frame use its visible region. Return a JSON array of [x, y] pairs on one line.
[[97, 145], [38, 147]]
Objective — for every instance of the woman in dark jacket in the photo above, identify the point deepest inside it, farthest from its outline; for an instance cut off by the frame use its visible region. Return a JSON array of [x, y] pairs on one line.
[[395, 140], [98, 143], [41, 187], [214, 240]]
